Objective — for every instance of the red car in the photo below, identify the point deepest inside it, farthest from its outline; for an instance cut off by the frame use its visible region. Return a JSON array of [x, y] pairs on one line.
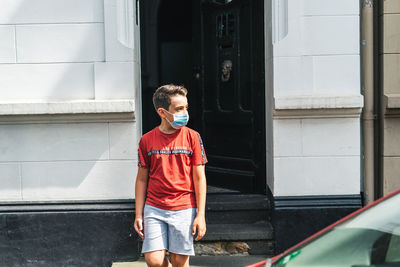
[[367, 237]]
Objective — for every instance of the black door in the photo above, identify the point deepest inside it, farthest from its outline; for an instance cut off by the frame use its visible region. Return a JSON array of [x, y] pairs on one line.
[[228, 73]]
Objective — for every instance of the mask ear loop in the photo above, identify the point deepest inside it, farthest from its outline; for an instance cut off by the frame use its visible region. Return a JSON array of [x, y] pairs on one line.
[[168, 113], [167, 120]]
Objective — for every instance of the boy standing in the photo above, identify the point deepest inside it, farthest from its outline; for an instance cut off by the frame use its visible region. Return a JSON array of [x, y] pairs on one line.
[[170, 183]]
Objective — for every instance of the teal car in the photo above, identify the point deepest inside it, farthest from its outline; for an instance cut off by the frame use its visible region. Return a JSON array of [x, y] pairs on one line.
[[367, 237]]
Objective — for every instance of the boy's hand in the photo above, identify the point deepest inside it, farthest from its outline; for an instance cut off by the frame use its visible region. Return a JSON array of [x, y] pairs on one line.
[[139, 226], [199, 224]]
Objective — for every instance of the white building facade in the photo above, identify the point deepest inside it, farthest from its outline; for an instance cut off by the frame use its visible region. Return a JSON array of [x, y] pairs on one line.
[[71, 108]]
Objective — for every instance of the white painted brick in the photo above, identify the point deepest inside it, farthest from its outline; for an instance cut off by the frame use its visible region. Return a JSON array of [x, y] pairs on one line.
[[78, 180], [287, 138], [114, 80], [115, 51], [123, 141], [295, 9], [50, 11], [47, 142], [291, 45], [7, 44], [337, 74], [329, 7], [293, 76], [331, 35], [46, 81], [60, 43], [331, 137], [317, 176], [10, 182]]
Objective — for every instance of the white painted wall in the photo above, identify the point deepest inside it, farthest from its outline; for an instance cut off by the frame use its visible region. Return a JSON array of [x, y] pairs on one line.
[[320, 54], [317, 156], [66, 50], [318, 58], [67, 161]]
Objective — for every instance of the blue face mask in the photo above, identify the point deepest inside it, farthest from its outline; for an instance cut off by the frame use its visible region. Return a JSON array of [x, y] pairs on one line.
[[180, 120]]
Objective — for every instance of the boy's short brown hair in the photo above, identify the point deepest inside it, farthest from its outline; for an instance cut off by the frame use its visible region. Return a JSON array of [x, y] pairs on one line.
[[162, 96]]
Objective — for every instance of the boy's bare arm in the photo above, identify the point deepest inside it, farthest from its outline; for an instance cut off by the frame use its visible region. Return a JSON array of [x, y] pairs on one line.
[[200, 187], [140, 195]]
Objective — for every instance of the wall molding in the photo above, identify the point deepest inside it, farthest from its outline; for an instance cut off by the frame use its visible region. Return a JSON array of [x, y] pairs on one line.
[[64, 206], [22, 112], [318, 201], [391, 103], [308, 106]]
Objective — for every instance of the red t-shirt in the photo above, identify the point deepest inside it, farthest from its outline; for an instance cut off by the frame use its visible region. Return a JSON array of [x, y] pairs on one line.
[[169, 158]]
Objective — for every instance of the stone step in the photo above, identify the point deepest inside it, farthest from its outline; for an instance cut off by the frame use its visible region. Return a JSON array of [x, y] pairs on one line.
[[237, 202], [236, 216], [238, 232], [237, 209]]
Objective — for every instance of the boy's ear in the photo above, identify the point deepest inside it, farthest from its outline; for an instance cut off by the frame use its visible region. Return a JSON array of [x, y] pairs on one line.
[[161, 113]]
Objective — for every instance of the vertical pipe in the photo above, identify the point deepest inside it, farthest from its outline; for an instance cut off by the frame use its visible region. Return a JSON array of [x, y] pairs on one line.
[[368, 116]]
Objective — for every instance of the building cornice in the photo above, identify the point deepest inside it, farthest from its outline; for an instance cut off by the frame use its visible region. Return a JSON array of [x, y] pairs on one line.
[[391, 104], [66, 111], [311, 106]]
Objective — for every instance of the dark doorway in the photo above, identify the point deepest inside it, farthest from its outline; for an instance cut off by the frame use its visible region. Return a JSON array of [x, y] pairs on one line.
[[216, 49], [166, 45]]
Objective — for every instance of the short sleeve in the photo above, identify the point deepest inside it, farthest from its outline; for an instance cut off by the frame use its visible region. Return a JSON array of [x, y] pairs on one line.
[[143, 158], [199, 155]]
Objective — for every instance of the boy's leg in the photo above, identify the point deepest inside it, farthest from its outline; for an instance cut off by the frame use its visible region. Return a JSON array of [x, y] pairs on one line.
[[180, 238], [155, 241], [156, 259], [178, 260]]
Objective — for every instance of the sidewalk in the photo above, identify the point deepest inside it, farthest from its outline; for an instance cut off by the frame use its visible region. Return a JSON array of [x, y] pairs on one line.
[[201, 261]]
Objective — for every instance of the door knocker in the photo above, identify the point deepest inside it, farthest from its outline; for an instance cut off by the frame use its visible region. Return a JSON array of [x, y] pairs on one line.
[[226, 70]]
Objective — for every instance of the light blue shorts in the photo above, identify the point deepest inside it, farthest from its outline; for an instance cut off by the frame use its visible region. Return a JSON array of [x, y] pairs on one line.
[[168, 229]]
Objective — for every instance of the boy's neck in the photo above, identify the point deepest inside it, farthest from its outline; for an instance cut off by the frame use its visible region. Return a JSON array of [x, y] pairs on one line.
[[165, 127]]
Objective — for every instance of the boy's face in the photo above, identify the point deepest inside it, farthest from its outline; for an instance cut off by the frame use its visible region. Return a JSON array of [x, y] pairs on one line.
[[179, 104]]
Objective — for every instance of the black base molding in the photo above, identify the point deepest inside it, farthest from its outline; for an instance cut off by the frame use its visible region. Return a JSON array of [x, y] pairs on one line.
[[67, 234], [296, 218]]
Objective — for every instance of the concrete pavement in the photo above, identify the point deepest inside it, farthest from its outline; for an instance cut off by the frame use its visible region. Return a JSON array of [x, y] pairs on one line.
[[202, 261]]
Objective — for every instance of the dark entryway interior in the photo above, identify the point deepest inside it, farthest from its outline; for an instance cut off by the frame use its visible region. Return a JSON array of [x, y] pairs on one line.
[[189, 43], [166, 52], [175, 42]]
